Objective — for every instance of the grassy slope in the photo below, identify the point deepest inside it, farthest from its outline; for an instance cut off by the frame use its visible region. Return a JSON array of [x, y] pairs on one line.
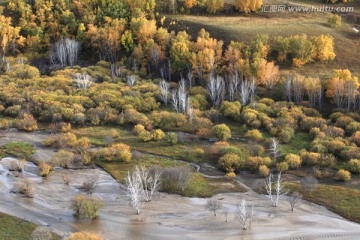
[[247, 27], [12, 228], [341, 200]]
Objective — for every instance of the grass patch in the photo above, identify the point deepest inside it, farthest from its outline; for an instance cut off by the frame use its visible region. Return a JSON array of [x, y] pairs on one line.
[[300, 141], [198, 187], [12, 228], [341, 200], [21, 150], [120, 169]]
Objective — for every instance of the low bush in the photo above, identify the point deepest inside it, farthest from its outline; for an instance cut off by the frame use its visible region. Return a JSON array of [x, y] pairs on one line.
[[119, 151], [254, 135], [264, 170], [231, 162], [343, 175], [293, 160], [172, 138], [221, 131], [86, 207], [354, 165], [44, 169]]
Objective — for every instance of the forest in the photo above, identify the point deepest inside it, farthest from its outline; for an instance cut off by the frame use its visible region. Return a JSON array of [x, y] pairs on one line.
[[176, 98]]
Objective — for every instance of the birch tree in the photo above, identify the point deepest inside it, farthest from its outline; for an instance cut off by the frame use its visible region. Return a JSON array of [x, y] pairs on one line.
[[216, 90], [233, 86], [179, 98], [247, 91], [65, 52], [314, 89], [135, 191], [83, 81], [343, 88], [164, 91], [279, 193], [274, 148], [298, 88], [288, 89], [150, 182], [244, 214], [131, 80]]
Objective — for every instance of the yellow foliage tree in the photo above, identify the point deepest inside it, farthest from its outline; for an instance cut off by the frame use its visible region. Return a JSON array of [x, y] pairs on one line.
[[10, 38], [343, 88], [324, 47]]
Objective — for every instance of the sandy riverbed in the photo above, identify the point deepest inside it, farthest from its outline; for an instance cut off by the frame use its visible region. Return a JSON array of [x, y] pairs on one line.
[[166, 217]]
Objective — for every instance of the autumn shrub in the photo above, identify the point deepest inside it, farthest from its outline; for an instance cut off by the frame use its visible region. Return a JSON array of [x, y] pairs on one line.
[[311, 122], [168, 120], [230, 109], [86, 207], [221, 131], [293, 160], [334, 21], [356, 138], [343, 175], [172, 138], [231, 162], [27, 123], [24, 72], [353, 165], [158, 135], [310, 158], [349, 153], [264, 171], [116, 152], [285, 135], [254, 135], [65, 140], [335, 146], [44, 169], [5, 124], [84, 236], [217, 146], [138, 129], [343, 121], [134, 117], [327, 160], [255, 162], [282, 166], [62, 158], [146, 136], [13, 111], [248, 6], [353, 127]]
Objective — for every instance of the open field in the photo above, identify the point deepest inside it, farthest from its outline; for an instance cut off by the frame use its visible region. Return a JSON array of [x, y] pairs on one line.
[[246, 27]]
